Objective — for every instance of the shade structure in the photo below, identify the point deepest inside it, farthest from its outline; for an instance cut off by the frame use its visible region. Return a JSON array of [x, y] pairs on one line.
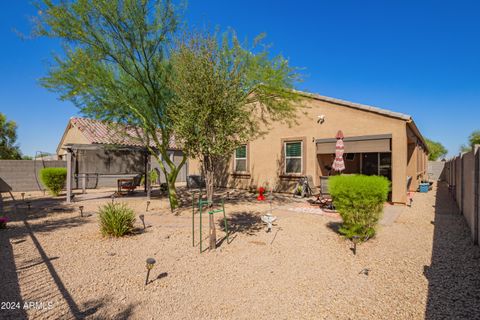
[[338, 163]]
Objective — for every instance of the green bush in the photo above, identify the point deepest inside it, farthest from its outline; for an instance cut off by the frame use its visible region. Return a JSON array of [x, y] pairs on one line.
[[153, 177], [359, 199], [54, 179], [116, 219]]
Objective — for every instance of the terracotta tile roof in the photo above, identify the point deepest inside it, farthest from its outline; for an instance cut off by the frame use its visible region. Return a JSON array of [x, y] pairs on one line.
[[101, 132]]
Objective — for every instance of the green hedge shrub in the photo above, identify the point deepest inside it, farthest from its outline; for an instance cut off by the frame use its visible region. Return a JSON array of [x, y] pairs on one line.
[[359, 199], [116, 219], [54, 179]]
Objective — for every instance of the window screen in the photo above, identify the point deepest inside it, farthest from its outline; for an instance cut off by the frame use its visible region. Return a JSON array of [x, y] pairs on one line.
[[293, 157], [241, 159]]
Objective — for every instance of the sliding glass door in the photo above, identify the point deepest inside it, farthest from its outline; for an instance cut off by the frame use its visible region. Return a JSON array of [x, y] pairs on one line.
[[375, 163]]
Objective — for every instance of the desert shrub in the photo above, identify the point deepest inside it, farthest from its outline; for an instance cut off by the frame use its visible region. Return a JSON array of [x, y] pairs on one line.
[[359, 199], [116, 219], [54, 179], [153, 177]]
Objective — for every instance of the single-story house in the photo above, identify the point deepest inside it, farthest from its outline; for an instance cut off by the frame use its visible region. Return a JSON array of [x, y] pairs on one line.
[[377, 142]]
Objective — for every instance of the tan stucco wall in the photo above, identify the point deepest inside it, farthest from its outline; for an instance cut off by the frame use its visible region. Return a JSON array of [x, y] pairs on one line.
[[265, 156], [417, 163], [73, 136]]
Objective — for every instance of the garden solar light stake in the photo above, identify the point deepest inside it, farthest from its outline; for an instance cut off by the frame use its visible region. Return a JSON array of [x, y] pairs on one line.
[[150, 264], [148, 204], [81, 210], [142, 217], [355, 240], [28, 205], [23, 196]]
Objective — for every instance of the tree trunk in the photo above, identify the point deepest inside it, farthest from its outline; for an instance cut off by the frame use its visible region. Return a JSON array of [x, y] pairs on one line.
[[170, 177], [172, 193], [209, 185], [208, 170]]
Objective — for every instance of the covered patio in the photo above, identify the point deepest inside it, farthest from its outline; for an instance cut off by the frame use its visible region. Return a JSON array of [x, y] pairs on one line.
[[87, 164], [369, 155]]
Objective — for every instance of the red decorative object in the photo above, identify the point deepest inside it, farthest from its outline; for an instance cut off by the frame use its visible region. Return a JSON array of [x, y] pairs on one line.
[[261, 191]]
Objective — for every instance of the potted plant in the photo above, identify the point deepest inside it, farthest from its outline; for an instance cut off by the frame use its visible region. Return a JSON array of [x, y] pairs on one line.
[[3, 222]]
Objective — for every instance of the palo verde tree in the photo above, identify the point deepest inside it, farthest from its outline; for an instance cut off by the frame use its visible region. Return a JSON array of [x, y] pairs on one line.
[[225, 94], [115, 65], [8, 138], [436, 150]]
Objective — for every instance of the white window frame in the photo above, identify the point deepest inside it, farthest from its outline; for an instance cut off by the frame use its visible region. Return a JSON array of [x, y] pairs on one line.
[[235, 159], [285, 155]]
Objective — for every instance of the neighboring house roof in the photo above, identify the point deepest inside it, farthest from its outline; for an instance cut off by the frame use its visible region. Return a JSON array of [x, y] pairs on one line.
[[364, 107], [102, 132]]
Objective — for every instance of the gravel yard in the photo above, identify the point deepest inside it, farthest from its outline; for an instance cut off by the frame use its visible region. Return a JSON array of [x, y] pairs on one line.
[[423, 265]]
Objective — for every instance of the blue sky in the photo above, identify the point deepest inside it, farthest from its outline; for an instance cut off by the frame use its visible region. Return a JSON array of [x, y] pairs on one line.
[[416, 57]]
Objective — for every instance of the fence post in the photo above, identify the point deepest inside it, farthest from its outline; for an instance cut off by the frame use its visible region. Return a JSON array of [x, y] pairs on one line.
[[462, 184], [476, 212], [454, 180]]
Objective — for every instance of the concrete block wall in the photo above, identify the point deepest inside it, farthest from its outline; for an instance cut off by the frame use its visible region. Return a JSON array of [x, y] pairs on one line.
[[21, 175], [436, 170], [462, 174]]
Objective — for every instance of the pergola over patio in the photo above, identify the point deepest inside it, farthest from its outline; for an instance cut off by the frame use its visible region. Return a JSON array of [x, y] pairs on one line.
[[84, 160]]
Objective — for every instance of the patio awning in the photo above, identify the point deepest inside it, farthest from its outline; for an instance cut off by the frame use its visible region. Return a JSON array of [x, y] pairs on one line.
[[373, 143]]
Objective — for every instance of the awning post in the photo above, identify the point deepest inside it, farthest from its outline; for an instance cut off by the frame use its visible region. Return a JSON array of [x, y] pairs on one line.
[[69, 175], [148, 183]]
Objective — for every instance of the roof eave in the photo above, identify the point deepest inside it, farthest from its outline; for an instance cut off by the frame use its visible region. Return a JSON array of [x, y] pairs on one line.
[[415, 130], [67, 128], [358, 106]]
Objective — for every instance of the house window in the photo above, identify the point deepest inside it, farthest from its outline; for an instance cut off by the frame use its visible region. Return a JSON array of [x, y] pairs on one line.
[[241, 159], [293, 157]]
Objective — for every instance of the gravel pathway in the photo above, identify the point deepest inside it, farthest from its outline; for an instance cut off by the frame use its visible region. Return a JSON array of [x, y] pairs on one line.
[[421, 266]]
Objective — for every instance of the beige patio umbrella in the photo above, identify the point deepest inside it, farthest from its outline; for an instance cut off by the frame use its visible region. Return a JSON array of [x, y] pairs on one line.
[[338, 163]]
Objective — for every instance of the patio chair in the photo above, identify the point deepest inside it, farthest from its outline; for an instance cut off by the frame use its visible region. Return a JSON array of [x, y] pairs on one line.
[[324, 198], [128, 185], [302, 188], [312, 186]]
